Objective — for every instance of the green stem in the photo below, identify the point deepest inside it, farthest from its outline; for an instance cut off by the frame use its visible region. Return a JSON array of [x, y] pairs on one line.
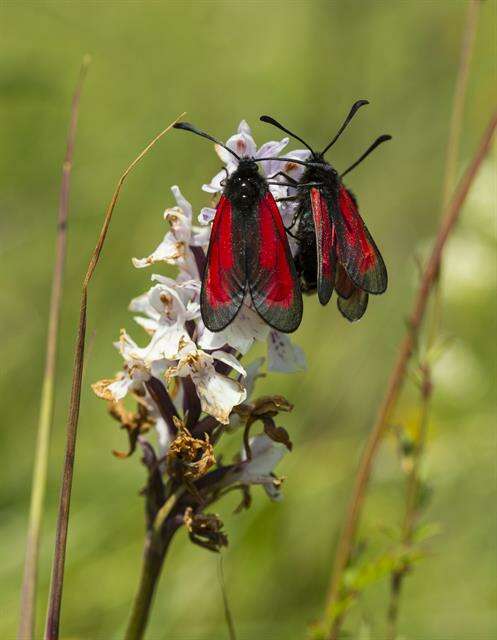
[[153, 559], [412, 496]]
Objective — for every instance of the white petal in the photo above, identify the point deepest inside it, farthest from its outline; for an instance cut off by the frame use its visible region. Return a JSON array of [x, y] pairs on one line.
[[283, 355], [141, 304], [218, 394], [211, 340], [270, 150], [158, 277], [188, 348], [182, 202], [165, 342], [186, 287], [242, 144], [120, 388], [253, 373], [293, 169], [167, 301], [244, 127], [169, 250], [200, 237], [127, 346], [226, 157], [159, 367], [206, 215], [180, 223], [146, 323], [272, 490], [240, 334], [230, 360], [215, 185], [163, 436], [265, 456]]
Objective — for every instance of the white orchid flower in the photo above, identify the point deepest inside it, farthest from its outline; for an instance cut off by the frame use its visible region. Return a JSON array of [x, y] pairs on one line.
[[218, 393], [175, 247], [283, 355], [139, 366], [266, 454], [240, 335]]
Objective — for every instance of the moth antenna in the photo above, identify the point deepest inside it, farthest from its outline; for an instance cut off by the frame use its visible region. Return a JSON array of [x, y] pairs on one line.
[[275, 123], [302, 162], [186, 126], [355, 107], [375, 144]]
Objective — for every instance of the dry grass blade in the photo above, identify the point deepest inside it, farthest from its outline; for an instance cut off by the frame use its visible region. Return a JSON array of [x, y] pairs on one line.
[[454, 139], [28, 593], [55, 599], [452, 157], [399, 371]]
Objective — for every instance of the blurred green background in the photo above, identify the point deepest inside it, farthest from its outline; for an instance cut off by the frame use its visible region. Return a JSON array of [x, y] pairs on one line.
[[303, 62]]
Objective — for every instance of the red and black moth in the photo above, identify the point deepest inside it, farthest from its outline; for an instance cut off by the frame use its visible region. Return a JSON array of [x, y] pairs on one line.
[[335, 248], [248, 253]]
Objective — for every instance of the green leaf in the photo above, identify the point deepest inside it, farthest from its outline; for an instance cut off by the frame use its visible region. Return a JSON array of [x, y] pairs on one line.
[[426, 531]]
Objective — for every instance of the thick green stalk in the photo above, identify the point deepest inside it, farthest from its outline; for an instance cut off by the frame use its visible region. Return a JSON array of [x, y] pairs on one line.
[[153, 559]]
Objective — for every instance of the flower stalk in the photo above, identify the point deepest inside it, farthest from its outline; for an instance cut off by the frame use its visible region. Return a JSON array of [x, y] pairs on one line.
[[154, 553]]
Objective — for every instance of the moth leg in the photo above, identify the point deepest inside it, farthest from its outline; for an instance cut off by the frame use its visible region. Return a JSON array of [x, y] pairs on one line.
[[282, 184], [311, 184], [292, 235], [223, 181], [286, 199], [293, 182]]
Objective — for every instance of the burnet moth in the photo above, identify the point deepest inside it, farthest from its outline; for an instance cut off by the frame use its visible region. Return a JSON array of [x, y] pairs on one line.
[[248, 252], [335, 248]]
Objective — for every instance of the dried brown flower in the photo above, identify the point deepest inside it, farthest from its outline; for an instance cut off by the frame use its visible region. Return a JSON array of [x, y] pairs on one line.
[[205, 529], [189, 458]]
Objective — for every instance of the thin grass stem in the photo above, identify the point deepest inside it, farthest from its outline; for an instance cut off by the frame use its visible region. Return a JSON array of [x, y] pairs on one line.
[[451, 162], [27, 620]]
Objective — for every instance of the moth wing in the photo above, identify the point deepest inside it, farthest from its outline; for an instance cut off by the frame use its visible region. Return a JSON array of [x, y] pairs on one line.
[[325, 241], [271, 273], [224, 278], [357, 251], [353, 307]]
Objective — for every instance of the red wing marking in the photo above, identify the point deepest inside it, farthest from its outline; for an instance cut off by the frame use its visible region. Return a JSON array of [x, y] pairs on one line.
[[223, 284], [325, 246], [357, 251], [271, 271]]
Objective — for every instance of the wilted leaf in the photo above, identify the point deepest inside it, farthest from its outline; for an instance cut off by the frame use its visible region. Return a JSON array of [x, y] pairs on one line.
[[277, 434]]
